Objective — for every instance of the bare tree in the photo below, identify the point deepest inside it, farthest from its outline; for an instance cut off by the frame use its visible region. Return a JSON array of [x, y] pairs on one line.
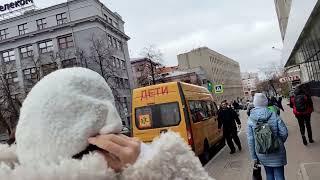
[[101, 58], [151, 69], [10, 104], [273, 72]]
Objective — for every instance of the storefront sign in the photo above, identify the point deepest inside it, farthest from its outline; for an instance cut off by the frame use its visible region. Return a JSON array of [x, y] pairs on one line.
[[15, 5], [289, 79]]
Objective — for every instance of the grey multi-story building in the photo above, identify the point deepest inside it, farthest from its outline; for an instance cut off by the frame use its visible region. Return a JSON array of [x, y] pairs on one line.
[[219, 69], [75, 33]]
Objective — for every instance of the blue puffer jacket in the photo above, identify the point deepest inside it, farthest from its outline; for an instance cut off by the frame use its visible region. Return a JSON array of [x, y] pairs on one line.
[[278, 128]]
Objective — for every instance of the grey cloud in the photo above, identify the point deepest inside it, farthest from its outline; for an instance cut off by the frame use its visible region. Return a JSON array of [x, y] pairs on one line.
[[244, 30]]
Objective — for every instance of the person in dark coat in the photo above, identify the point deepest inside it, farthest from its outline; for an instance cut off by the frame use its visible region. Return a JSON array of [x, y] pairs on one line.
[[280, 103], [303, 117], [235, 105], [227, 118]]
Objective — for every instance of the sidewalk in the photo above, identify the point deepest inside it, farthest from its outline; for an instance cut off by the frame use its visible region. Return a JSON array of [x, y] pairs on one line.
[[303, 161]]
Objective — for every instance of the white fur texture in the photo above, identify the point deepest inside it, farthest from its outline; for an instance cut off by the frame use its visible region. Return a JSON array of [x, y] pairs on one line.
[[167, 158], [170, 158], [61, 112]]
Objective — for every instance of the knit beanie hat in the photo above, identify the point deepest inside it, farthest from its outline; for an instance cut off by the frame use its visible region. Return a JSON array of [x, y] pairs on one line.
[[61, 112], [260, 100]]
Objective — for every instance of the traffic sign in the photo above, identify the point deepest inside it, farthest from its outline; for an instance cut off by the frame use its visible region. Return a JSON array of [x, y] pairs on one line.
[[210, 89], [218, 89]]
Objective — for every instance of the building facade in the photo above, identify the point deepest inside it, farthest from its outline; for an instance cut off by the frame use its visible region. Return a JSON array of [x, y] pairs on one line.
[[283, 10], [66, 35], [144, 72], [218, 68], [249, 84], [301, 50], [195, 76]]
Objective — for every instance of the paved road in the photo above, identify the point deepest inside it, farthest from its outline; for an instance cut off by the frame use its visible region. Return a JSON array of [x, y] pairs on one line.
[[238, 166]]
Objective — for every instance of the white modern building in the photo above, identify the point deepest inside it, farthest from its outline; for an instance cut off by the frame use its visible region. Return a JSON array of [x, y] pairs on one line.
[[42, 40], [301, 48]]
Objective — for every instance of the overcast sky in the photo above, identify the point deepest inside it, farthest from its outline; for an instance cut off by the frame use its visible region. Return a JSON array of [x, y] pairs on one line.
[[244, 30]]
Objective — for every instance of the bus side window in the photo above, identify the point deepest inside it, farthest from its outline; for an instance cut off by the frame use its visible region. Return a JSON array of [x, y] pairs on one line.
[[210, 109], [214, 108], [197, 113]]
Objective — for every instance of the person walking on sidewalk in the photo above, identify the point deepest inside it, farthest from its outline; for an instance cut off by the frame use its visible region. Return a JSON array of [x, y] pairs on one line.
[[226, 119], [267, 133], [302, 108], [280, 103], [273, 106]]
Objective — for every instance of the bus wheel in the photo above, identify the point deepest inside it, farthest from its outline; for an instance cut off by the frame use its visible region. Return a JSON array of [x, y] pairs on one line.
[[206, 151]]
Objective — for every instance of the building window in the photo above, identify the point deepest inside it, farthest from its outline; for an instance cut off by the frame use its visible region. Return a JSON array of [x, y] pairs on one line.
[[15, 96], [125, 105], [62, 18], [109, 40], [65, 42], [118, 63], [26, 51], [120, 45], [113, 61], [3, 34], [68, 63], [48, 68], [41, 23], [12, 77], [22, 29], [123, 64], [114, 42], [8, 56], [126, 83], [110, 21], [116, 24], [46, 46], [30, 73]]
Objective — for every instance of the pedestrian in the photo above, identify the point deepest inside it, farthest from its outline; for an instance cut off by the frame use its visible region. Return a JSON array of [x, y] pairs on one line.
[[266, 134], [273, 106], [227, 119], [249, 108], [69, 130], [302, 106], [280, 103], [235, 105]]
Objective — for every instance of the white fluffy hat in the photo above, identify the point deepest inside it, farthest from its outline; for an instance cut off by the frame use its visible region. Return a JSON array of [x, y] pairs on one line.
[[260, 100], [61, 112]]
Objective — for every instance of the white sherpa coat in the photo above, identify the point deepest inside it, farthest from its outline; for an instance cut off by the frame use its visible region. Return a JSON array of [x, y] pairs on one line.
[[60, 113], [166, 158]]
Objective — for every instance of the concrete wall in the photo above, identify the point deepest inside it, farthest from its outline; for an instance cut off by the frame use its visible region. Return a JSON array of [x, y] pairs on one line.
[[219, 69]]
